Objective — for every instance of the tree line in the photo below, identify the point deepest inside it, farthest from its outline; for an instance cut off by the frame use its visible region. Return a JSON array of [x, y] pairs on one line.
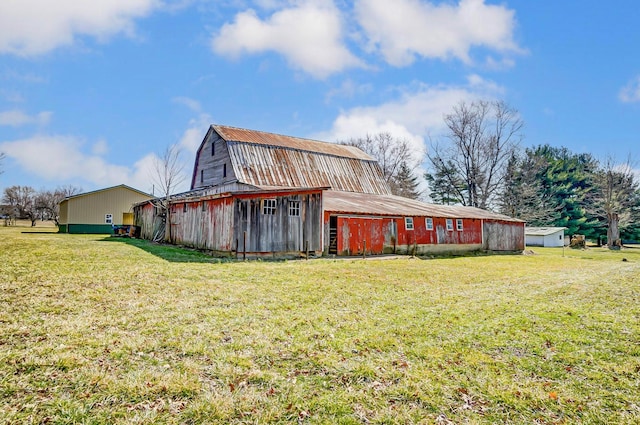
[[480, 163], [25, 202]]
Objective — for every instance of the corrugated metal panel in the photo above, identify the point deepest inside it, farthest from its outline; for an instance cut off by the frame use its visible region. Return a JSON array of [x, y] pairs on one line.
[[91, 208], [390, 205], [261, 165], [542, 231], [270, 139]]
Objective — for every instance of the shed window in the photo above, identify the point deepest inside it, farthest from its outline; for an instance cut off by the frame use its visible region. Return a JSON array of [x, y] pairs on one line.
[[108, 218], [459, 224], [269, 206], [213, 148], [449, 224], [429, 223], [408, 223], [224, 170], [294, 208], [201, 176]]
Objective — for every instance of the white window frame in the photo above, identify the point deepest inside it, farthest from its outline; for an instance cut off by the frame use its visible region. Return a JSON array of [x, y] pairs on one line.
[[408, 223], [108, 218], [459, 225], [269, 206], [428, 223], [450, 224], [294, 208]]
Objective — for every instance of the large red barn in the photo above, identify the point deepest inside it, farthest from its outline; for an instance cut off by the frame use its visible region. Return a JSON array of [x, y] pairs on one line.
[[262, 194]]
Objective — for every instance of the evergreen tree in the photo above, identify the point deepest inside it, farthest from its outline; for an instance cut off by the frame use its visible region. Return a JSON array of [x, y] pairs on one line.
[[445, 187], [404, 183]]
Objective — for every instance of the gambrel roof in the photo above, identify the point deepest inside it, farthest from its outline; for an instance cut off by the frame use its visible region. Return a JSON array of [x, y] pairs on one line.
[[272, 160]]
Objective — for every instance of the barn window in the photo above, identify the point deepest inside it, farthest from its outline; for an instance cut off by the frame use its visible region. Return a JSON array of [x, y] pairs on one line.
[[213, 148], [204, 206], [201, 176], [449, 224], [269, 206], [108, 218], [459, 224], [294, 208], [408, 223], [184, 207], [429, 223], [224, 170]]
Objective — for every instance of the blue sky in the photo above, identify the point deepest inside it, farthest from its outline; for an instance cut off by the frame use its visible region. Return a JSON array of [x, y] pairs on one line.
[[90, 92]]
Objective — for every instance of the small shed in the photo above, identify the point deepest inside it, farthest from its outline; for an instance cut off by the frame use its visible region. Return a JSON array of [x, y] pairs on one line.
[[544, 236], [100, 210]]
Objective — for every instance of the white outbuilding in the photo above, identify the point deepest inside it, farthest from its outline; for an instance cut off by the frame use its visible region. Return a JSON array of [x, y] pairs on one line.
[[544, 236]]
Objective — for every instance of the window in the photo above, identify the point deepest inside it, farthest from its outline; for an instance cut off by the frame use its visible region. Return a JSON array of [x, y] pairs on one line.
[[294, 208], [213, 148], [204, 206], [224, 170], [108, 218], [449, 224], [429, 223], [269, 206], [408, 223], [184, 207], [459, 224], [201, 176]]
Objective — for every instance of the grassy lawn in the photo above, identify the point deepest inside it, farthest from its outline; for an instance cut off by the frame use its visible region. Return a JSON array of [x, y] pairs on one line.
[[99, 330]]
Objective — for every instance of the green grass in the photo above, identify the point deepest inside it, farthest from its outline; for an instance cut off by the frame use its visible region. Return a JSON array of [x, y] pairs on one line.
[[99, 330]]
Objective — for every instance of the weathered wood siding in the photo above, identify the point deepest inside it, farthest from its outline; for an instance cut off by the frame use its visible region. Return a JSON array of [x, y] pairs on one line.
[[279, 232], [146, 216], [204, 224], [503, 236], [212, 160]]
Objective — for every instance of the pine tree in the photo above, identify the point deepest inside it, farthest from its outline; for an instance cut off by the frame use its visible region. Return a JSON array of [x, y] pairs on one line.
[[405, 183]]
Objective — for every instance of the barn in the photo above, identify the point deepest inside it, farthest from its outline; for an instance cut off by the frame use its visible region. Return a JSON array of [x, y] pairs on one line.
[[544, 236], [261, 194], [98, 211]]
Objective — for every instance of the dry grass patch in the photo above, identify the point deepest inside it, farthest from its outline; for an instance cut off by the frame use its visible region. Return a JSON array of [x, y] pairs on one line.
[[98, 330]]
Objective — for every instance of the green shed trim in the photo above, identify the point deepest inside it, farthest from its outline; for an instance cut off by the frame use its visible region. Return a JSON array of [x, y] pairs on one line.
[[89, 228]]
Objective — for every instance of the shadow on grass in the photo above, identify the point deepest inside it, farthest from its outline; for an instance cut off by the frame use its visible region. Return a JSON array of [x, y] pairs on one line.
[[171, 253]]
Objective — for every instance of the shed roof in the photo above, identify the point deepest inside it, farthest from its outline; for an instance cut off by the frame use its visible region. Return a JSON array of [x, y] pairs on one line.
[[121, 186], [391, 205], [542, 231]]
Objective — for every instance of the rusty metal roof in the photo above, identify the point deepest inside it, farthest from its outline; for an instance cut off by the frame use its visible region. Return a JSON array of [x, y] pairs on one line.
[[391, 205], [266, 159], [233, 134]]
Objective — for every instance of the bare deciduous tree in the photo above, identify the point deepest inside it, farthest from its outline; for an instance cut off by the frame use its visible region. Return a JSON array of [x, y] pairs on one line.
[[47, 202], [615, 196], [482, 137], [167, 175], [396, 158], [21, 200]]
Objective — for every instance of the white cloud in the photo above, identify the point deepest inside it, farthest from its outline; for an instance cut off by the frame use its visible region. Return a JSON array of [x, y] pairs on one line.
[[631, 92], [17, 118], [416, 115], [33, 27], [404, 29], [308, 35]]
